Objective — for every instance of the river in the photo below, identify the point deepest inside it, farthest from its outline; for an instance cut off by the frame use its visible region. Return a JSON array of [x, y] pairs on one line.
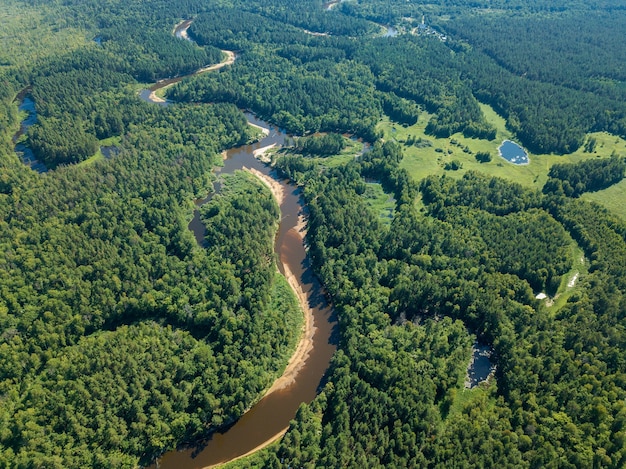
[[180, 31], [269, 418]]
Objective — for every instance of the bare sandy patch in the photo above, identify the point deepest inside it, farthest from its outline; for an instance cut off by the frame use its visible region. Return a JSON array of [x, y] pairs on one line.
[[157, 99], [300, 355], [261, 153], [305, 346], [264, 130], [265, 444], [278, 191], [183, 32], [230, 59]]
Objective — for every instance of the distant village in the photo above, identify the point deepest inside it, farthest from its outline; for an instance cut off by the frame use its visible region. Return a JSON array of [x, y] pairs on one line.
[[423, 29]]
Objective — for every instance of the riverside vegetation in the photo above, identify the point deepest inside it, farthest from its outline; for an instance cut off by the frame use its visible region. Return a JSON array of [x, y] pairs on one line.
[[121, 338]]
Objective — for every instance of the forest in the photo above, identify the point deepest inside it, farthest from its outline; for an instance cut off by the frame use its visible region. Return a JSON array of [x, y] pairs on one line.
[[122, 338]]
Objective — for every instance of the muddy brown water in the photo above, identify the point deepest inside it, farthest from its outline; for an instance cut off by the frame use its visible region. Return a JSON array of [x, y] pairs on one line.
[[271, 415], [144, 94]]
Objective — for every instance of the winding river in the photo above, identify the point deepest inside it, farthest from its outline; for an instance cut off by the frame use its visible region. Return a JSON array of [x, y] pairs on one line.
[[269, 418]]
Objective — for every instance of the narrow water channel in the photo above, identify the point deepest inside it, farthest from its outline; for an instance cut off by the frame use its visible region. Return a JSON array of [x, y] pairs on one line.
[[271, 415], [26, 104]]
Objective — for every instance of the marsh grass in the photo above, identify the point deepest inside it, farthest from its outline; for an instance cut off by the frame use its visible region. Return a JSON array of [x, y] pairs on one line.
[[379, 202], [111, 141]]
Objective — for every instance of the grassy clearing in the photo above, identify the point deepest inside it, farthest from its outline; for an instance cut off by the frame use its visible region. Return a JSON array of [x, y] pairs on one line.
[[570, 280], [464, 398], [334, 161], [107, 142], [22, 115], [92, 159], [380, 202], [239, 181], [160, 93], [613, 198], [352, 149], [255, 133], [427, 160]]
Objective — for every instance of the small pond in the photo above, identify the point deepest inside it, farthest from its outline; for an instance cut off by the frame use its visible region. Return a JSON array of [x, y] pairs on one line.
[[25, 153], [28, 105], [390, 32], [480, 366], [109, 151], [513, 153]]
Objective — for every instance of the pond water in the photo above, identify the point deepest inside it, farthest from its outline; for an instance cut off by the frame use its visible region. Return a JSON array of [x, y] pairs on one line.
[[513, 153], [25, 153], [109, 151], [391, 32], [480, 366]]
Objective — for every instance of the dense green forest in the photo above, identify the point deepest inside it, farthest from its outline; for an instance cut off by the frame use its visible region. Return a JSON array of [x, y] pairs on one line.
[[477, 255], [590, 175], [121, 338], [98, 259]]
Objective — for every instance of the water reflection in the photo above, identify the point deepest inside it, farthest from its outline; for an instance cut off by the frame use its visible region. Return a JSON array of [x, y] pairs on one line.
[[513, 153], [480, 367]]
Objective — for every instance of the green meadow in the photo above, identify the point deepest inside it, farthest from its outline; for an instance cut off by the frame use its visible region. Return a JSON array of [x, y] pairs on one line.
[[380, 202], [430, 155]]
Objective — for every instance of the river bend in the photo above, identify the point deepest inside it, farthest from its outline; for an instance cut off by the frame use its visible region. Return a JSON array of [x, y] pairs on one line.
[[269, 418]]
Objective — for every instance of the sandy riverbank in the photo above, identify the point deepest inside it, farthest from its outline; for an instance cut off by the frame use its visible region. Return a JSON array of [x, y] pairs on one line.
[[230, 59], [263, 130], [298, 359], [275, 438], [261, 153], [305, 345]]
